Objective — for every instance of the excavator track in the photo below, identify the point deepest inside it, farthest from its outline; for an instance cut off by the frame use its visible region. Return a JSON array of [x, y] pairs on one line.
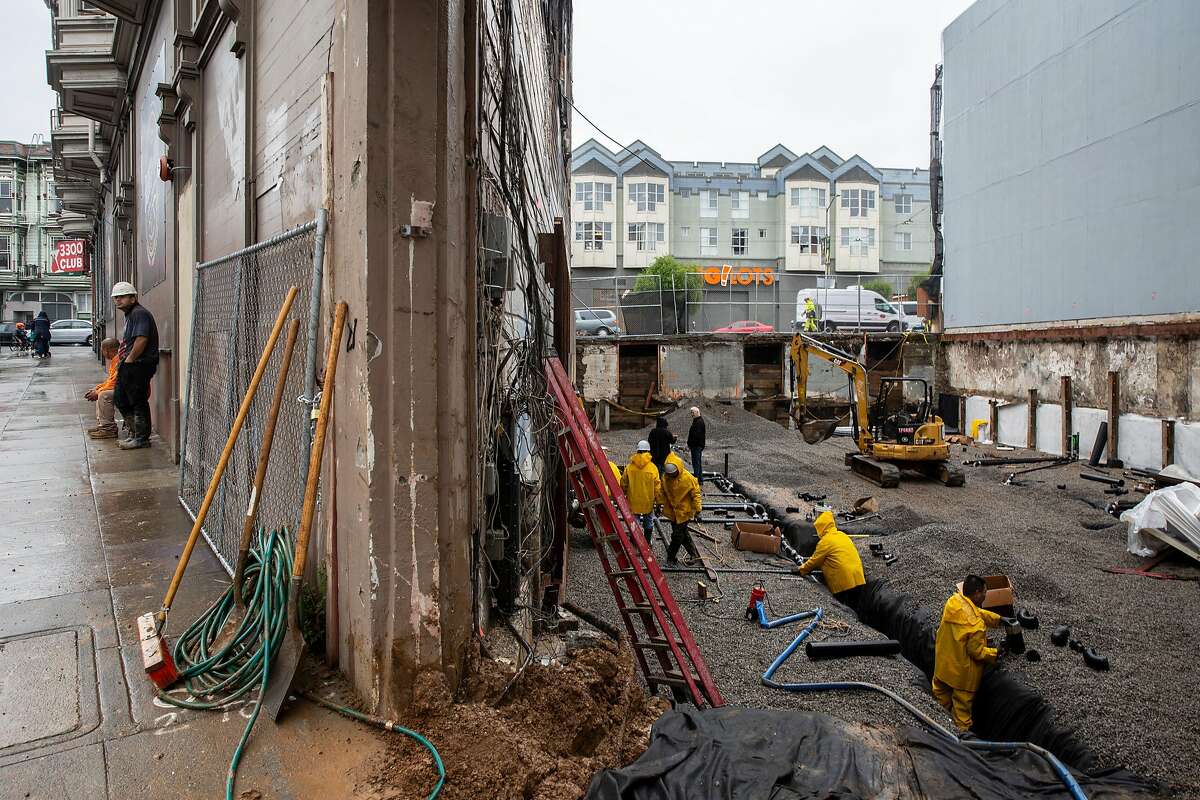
[[945, 472], [881, 473]]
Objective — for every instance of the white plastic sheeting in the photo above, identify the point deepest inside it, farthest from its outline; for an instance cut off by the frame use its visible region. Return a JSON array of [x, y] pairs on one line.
[[1175, 509]]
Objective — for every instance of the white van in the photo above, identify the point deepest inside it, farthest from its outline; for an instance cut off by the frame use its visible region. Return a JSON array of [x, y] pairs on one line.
[[850, 308]]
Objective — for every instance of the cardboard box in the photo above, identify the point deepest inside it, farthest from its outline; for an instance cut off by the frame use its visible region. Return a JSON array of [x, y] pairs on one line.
[[755, 537], [999, 594]]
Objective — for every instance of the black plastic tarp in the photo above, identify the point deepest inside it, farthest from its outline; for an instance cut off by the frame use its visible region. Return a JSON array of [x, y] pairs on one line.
[[731, 752]]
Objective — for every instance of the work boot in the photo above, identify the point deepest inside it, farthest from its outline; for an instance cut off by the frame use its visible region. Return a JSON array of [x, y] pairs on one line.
[[141, 434], [103, 432]]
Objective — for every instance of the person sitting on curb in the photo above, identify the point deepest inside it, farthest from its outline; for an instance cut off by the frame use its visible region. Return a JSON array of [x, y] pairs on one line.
[[681, 503], [641, 484], [962, 650], [102, 394], [838, 559]]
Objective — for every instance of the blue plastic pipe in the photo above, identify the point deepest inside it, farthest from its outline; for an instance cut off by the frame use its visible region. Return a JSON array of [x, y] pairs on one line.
[[1059, 768], [763, 622]]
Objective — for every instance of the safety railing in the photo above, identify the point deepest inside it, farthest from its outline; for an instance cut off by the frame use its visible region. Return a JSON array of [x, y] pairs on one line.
[[234, 305], [750, 300]]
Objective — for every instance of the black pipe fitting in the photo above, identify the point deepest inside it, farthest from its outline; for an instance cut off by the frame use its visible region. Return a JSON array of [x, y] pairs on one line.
[[1028, 619], [1095, 660], [1060, 635], [1032, 655], [838, 649], [1075, 645]]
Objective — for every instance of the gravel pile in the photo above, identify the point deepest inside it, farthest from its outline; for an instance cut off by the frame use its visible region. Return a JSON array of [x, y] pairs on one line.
[[1052, 543]]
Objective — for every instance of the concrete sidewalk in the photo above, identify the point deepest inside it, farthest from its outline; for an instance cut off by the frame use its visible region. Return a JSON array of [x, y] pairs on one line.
[[89, 537]]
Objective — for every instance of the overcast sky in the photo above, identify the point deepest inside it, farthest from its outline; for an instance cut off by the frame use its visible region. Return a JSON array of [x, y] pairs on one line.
[[707, 80], [713, 80], [24, 40]]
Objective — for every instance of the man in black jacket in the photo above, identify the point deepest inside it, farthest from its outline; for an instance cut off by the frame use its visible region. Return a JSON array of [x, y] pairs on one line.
[[696, 443], [660, 440], [139, 362]]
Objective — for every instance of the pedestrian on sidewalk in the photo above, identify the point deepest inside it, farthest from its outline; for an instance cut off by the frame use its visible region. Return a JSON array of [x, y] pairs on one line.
[[660, 440], [961, 650], [41, 335], [139, 344], [696, 436], [102, 394], [642, 485], [681, 503]]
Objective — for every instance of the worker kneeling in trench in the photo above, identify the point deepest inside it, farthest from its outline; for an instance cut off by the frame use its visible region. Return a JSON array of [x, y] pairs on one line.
[[962, 650], [838, 559]]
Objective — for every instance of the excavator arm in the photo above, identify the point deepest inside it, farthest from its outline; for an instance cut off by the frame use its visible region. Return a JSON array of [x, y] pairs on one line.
[[816, 431]]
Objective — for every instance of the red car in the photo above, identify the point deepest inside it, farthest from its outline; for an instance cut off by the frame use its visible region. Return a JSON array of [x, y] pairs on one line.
[[746, 326]]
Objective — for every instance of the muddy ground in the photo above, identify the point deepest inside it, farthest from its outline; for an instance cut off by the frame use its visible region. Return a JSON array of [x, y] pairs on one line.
[[1052, 542], [542, 740]]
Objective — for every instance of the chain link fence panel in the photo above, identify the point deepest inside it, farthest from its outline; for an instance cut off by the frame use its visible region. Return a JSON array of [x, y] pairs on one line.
[[236, 300]]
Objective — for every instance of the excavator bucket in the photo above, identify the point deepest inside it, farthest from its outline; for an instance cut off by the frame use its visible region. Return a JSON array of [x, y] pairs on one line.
[[817, 430]]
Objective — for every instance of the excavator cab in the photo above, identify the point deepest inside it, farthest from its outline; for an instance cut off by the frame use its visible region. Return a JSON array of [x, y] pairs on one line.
[[895, 418]]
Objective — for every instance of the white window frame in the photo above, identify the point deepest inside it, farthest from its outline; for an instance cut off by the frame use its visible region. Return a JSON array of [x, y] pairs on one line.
[[858, 201], [744, 235], [808, 238], [646, 235], [593, 194], [903, 203], [684, 232], [646, 196], [903, 240], [708, 241], [810, 200], [5, 252], [593, 234], [858, 240], [739, 204], [708, 202], [7, 198], [83, 302]]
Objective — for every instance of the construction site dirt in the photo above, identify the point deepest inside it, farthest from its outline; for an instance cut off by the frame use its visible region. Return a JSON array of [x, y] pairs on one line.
[[495, 739], [1053, 544]]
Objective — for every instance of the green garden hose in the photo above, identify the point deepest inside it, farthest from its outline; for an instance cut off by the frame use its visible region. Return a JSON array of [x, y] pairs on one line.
[[216, 674]]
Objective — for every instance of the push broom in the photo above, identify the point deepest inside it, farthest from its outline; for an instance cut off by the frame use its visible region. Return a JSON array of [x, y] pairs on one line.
[[156, 658]]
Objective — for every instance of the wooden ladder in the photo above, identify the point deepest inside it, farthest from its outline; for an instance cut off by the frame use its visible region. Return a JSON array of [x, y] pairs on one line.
[[665, 650]]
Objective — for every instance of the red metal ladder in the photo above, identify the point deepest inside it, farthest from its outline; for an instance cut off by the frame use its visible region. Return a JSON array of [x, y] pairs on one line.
[[652, 617]]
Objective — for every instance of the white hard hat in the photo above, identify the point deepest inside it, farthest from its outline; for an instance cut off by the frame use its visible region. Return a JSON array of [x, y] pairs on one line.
[[670, 468], [643, 446], [122, 288]]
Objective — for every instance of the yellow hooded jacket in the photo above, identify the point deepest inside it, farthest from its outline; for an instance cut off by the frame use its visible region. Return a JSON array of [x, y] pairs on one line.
[[641, 483], [836, 555], [680, 496], [962, 648]]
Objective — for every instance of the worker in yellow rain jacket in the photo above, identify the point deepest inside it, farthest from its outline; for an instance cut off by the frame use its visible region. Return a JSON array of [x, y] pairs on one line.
[[641, 484], [962, 650], [838, 559], [672, 458], [680, 498]]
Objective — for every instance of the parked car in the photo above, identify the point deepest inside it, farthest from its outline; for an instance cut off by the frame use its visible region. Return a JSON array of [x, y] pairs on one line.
[[596, 322], [746, 326], [912, 320], [849, 308], [71, 331]]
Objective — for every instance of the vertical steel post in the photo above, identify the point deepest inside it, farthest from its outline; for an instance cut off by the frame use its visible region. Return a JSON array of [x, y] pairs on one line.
[[314, 323], [187, 389]]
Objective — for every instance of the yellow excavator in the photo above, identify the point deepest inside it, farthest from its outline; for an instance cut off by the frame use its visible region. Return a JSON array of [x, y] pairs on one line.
[[891, 434]]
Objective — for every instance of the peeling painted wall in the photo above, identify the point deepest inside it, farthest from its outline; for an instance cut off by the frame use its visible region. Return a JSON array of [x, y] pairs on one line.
[[598, 372], [1160, 376], [708, 369]]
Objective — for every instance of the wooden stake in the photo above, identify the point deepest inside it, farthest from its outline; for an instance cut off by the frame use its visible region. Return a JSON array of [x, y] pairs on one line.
[[1168, 442], [964, 425], [1114, 413], [1031, 428], [994, 420], [1066, 415]]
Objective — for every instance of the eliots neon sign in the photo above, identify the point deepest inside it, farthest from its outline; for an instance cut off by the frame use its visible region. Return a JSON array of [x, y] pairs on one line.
[[741, 276]]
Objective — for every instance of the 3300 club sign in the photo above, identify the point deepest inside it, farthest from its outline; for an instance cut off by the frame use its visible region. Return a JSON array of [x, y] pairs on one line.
[[70, 256]]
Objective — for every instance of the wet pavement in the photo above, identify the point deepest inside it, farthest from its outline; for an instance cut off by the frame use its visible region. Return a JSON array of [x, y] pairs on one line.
[[89, 537]]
